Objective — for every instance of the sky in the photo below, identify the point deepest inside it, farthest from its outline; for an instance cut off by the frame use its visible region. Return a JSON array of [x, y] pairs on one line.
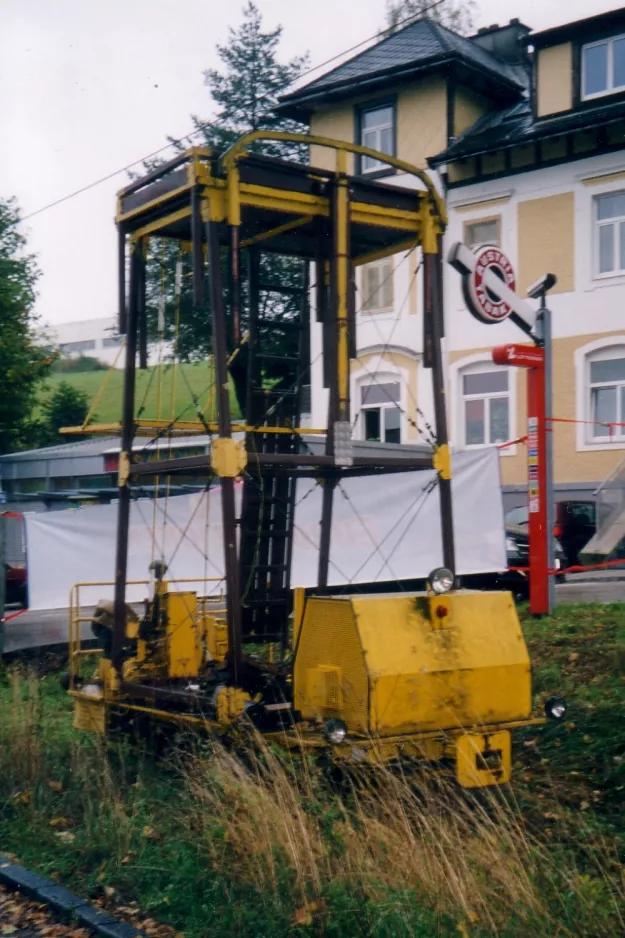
[[90, 86]]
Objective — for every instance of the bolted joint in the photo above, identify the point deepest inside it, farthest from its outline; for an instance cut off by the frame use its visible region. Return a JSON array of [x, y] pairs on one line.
[[441, 461], [228, 457]]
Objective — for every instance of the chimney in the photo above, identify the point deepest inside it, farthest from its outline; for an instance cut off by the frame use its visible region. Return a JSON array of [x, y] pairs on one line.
[[506, 43]]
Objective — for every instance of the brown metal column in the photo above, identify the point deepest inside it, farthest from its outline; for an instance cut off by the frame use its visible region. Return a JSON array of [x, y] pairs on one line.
[[142, 321], [128, 429], [235, 284], [121, 281], [220, 363], [433, 311], [196, 245]]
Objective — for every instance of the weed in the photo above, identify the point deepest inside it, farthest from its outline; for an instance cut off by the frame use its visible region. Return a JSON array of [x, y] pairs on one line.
[[215, 844]]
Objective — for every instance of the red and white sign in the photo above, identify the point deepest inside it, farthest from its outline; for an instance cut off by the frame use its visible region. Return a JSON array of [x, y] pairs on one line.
[[521, 356], [486, 305], [489, 286]]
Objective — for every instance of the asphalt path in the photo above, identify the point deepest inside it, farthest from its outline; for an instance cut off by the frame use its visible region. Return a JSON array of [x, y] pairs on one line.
[[47, 628], [30, 630]]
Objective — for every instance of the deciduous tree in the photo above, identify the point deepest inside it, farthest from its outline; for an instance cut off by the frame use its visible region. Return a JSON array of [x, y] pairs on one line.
[[456, 15], [24, 360]]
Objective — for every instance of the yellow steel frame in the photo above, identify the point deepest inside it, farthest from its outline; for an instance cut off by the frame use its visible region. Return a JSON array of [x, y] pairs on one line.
[[148, 428], [222, 200], [76, 617]]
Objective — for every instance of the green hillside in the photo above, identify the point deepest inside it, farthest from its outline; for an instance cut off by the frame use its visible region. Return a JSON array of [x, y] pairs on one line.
[[183, 381]]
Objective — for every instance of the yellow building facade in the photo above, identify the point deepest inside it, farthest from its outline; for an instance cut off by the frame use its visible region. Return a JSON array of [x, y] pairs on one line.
[[524, 133]]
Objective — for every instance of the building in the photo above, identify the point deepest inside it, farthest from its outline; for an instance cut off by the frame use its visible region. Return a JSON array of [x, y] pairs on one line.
[[96, 338], [524, 132]]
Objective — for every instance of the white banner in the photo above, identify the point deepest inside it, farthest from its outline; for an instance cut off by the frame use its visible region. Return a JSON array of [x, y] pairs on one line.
[[384, 528]]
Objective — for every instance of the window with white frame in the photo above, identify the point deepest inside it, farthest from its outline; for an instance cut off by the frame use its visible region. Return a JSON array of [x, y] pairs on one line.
[[380, 412], [377, 131], [482, 232], [610, 233], [606, 388], [377, 286], [603, 67], [485, 406]]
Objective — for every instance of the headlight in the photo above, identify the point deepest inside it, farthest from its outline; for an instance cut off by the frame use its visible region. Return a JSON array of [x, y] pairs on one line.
[[511, 545], [555, 708], [335, 731], [441, 580]]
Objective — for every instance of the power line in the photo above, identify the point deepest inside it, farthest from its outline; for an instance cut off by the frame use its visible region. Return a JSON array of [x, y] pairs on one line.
[[195, 133]]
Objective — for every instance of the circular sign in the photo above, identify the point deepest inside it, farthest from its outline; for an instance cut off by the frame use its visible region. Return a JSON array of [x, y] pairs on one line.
[[483, 302]]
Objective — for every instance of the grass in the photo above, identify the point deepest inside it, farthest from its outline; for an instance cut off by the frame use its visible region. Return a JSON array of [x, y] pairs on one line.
[[216, 845], [183, 381]]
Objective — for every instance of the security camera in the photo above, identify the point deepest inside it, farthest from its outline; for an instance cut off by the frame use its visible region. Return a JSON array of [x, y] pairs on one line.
[[540, 286]]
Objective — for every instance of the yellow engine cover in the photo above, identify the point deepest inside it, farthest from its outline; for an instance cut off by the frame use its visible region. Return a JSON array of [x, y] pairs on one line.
[[403, 663]]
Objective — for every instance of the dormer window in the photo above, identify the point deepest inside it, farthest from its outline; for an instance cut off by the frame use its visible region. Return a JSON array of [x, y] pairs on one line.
[[377, 131], [603, 67]]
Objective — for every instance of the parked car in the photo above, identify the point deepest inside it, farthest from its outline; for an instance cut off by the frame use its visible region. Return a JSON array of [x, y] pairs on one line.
[[574, 526], [517, 555], [15, 585]]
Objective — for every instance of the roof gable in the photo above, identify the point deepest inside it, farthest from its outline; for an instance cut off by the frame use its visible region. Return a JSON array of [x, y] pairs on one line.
[[418, 46]]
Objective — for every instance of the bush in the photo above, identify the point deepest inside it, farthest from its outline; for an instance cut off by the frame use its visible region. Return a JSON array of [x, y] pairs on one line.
[[80, 365]]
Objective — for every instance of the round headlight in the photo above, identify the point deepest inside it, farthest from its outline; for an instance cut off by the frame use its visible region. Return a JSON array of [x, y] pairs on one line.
[[555, 708], [335, 731], [441, 580]]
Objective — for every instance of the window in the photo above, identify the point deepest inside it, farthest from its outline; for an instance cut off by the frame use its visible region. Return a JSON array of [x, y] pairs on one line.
[[377, 131], [87, 345], [607, 394], [380, 412], [113, 341], [486, 405], [603, 67], [377, 286], [479, 233], [610, 233]]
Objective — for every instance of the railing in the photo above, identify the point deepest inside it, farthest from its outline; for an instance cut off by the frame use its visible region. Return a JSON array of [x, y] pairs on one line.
[[76, 618], [610, 502]]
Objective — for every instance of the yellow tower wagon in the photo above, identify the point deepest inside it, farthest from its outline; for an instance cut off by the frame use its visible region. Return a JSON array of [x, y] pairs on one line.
[[441, 674]]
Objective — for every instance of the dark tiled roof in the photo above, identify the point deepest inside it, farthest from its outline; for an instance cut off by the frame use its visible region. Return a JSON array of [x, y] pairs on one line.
[[418, 45], [516, 126]]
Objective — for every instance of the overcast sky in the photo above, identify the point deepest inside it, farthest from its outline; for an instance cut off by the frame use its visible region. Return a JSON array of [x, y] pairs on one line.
[[89, 86]]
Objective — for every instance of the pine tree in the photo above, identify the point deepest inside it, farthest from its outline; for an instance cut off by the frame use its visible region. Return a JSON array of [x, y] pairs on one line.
[[245, 92]]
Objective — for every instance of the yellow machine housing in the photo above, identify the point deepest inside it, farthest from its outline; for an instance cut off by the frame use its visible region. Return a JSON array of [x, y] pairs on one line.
[[399, 664]]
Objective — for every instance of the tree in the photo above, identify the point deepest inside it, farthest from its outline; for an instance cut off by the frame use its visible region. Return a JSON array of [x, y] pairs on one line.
[[245, 91], [456, 15], [24, 361], [67, 406]]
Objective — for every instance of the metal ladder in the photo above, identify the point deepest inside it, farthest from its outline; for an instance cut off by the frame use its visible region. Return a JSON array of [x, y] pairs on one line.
[[274, 398]]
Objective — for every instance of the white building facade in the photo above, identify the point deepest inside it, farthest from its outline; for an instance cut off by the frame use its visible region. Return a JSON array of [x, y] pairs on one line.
[[524, 133]]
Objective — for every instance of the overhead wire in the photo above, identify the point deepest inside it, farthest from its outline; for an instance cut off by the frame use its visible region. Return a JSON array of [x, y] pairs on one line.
[[176, 142]]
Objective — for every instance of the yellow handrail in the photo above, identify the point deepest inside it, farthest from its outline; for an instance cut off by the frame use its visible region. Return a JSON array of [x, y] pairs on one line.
[[237, 150]]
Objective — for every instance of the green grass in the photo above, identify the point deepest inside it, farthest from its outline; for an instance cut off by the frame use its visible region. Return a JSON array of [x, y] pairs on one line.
[[184, 381], [217, 847]]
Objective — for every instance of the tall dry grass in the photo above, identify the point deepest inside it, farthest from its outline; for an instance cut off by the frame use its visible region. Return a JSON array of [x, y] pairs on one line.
[[385, 831], [277, 828]]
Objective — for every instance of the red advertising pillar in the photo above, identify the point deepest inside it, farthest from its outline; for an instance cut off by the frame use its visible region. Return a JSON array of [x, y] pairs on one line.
[[533, 358]]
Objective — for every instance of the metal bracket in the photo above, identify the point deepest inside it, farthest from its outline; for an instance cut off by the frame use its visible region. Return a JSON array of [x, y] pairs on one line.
[[228, 457], [441, 460]]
